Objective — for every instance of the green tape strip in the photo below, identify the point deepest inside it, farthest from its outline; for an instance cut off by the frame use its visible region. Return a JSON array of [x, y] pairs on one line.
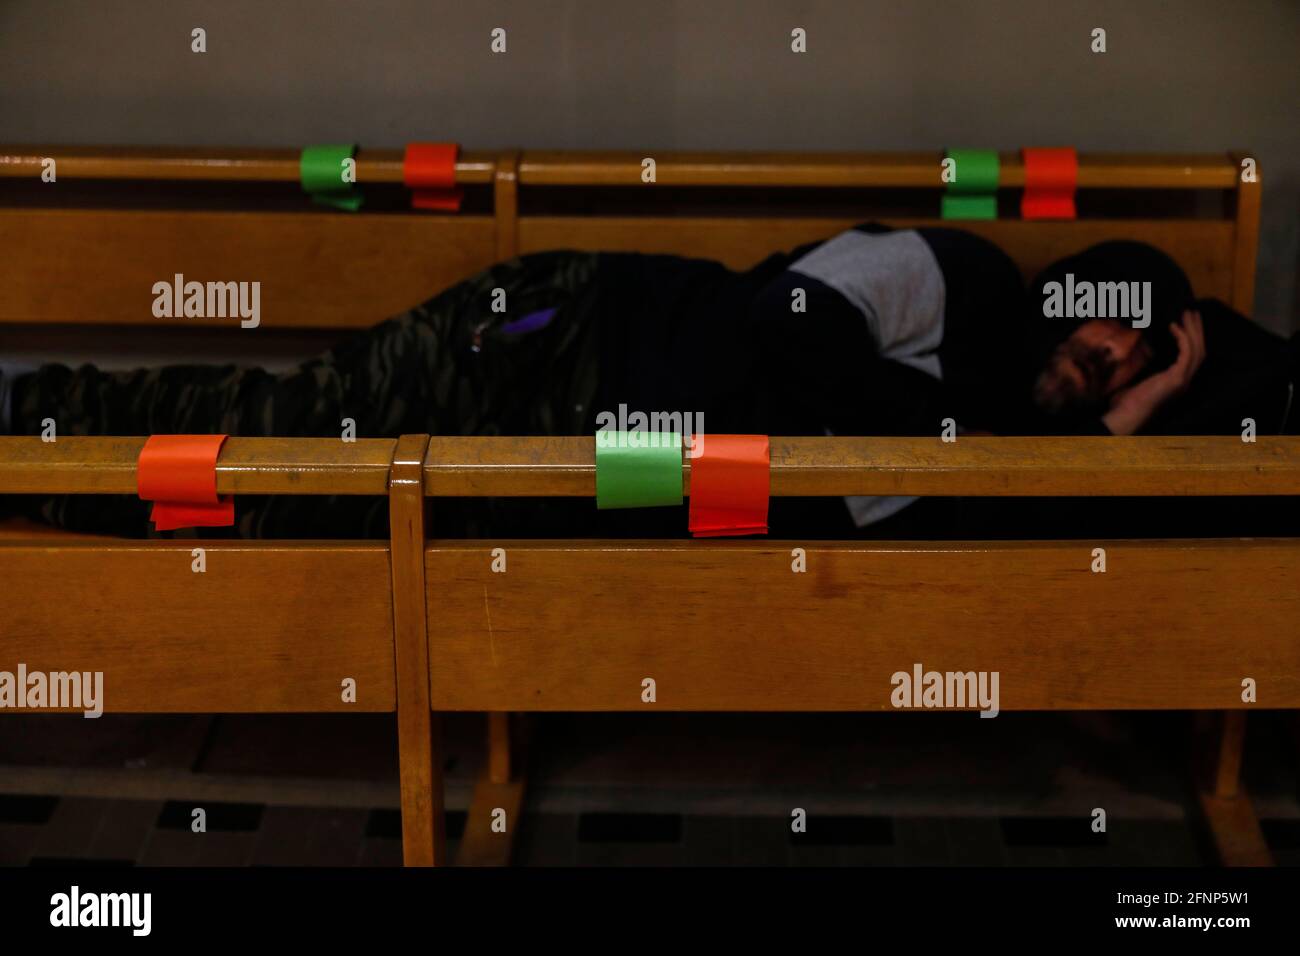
[[970, 207], [320, 170], [638, 469], [975, 171]]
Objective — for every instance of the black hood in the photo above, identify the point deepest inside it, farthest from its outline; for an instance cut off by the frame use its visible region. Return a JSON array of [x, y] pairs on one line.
[[1116, 261]]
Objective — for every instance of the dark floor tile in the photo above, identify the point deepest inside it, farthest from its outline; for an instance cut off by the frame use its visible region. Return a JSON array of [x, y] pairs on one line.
[[1281, 834], [831, 830], [975, 841], [1286, 857], [1110, 855], [22, 808], [547, 839], [628, 828], [760, 841], [171, 848], [631, 854], [709, 840], [70, 830], [376, 852], [1035, 856], [1139, 843], [1161, 843], [1050, 832], [922, 841], [123, 828], [384, 824], [220, 817], [868, 855], [17, 841], [455, 824], [1131, 842], [80, 863], [310, 836], [812, 855], [226, 848]]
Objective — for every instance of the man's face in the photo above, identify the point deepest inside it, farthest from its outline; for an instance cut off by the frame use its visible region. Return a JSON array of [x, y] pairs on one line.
[[1098, 359]]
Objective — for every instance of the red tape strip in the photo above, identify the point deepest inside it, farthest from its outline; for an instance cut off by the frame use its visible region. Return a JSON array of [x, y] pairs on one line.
[[178, 473], [1051, 176], [730, 485], [429, 170]]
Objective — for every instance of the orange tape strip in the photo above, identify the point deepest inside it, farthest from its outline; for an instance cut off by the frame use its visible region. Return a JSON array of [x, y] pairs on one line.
[[429, 170], [1051, 176], [178, 473], [730, 485]]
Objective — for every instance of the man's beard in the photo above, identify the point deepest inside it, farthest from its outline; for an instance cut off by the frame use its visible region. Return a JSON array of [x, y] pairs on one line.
[[1055, 391]]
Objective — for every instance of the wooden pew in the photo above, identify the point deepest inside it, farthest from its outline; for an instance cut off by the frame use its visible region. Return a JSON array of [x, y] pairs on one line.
[[133, 216], [269, 626], [88, 252], [730, 626], [425, 626]]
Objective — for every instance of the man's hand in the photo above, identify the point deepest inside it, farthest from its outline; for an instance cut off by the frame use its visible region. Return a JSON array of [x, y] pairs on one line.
[[1132, 407]]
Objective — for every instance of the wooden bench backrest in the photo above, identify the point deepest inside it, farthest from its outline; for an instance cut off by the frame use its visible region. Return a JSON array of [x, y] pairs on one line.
[[718, 625], [268, 626], [89, 247], [576, 625]]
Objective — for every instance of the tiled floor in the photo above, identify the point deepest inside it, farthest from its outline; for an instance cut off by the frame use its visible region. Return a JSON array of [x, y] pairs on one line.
[[616, 790], [124, 833]]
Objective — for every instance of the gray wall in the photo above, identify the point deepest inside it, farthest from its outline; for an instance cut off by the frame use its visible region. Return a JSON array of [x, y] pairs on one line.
[[1192, 75]]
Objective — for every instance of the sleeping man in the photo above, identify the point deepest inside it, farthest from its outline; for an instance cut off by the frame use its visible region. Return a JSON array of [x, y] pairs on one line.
[[872, 332]]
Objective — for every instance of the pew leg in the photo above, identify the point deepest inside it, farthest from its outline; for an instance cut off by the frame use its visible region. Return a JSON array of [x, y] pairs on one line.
[[420, 760], [1225, 806], [419, 736], [498, 796]]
